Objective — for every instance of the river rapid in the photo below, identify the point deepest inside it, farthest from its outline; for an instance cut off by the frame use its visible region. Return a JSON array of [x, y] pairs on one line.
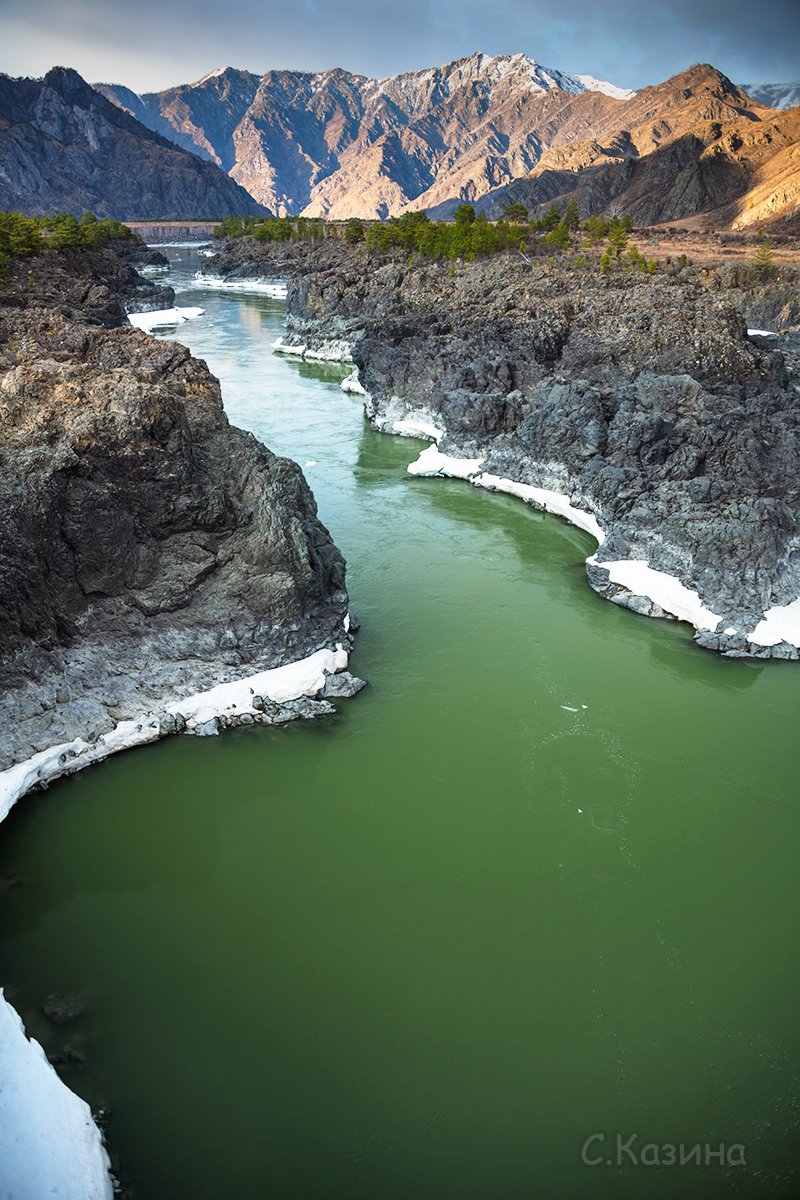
[[537, 885]]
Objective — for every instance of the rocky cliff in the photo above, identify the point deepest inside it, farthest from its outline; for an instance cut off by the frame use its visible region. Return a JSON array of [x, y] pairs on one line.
[[149, 550], [641, 402], [340, 145], [64, 147]]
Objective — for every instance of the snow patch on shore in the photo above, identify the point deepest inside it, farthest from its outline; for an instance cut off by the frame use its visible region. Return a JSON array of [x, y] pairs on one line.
[[335, 351], [415, 427], [304, 677], [780, 624], [49, 1143], [276, 289], [351, 383], [761, 333], [638, 577], [552, 502], [282, 347], [433, 462], [148, 321]]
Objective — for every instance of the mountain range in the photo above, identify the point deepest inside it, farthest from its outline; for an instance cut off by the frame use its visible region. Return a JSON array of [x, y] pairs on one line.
[[63, 146], [336, 144], [485, 129], [776, 95]]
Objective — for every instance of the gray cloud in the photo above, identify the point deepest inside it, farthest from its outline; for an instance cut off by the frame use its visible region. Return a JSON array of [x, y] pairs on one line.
[[149, 45]]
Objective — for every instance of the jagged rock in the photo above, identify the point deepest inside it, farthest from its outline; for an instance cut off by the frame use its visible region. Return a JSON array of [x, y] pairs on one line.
[[208, 728], [342, 686], [64, 147], [148, 549]]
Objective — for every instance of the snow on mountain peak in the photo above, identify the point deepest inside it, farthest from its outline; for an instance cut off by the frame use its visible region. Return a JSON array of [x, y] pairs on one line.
[[590, 84], [208, 75]]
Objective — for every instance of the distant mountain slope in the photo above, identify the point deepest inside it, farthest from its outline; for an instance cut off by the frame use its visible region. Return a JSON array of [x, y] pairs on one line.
[[776, 95], [65, 147], [340, 145], [693, 145]]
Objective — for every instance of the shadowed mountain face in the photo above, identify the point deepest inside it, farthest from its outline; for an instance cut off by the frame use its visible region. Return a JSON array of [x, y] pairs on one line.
[[65, 147]]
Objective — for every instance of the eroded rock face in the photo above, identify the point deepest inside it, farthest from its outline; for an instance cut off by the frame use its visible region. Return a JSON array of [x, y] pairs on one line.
[[642, 399], [148, 549], [64, 147]]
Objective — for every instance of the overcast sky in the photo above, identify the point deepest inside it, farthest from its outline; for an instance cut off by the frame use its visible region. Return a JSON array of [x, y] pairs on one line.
[[152, 44]]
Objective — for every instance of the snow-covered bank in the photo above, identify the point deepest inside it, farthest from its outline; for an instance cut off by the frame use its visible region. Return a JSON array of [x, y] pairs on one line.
[[637, 577], [305, 677], [162, 317], [552, 502], [351, 383], [433, 462], [333, 351], [275, 289], [780, 624], [49, 1143]]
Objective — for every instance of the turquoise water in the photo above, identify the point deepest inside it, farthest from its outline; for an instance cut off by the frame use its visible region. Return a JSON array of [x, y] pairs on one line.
[[429, 947]]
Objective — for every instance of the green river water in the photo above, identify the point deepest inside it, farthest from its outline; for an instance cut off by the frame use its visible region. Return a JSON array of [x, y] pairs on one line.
[[429, 947]]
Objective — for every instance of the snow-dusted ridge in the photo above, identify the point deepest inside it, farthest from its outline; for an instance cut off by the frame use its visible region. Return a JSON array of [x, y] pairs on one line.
[[591, 84]]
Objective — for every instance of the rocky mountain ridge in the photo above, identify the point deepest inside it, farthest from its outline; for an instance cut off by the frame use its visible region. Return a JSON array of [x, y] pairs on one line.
[[64, 147], [774, 95], [485, 129]]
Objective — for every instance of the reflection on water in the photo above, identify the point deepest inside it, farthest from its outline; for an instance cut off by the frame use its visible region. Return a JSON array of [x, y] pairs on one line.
[[429, 947]]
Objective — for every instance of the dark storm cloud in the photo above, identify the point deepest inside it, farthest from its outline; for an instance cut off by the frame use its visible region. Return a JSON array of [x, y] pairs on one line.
[[150, 44]]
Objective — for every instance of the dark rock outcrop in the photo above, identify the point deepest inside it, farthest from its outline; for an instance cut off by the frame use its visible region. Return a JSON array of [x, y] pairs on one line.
[[64, 147], [642, 399], [148, 549]]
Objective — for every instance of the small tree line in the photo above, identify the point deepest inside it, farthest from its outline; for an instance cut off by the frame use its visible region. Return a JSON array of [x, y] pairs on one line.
[[25, 237], [598, 241]]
